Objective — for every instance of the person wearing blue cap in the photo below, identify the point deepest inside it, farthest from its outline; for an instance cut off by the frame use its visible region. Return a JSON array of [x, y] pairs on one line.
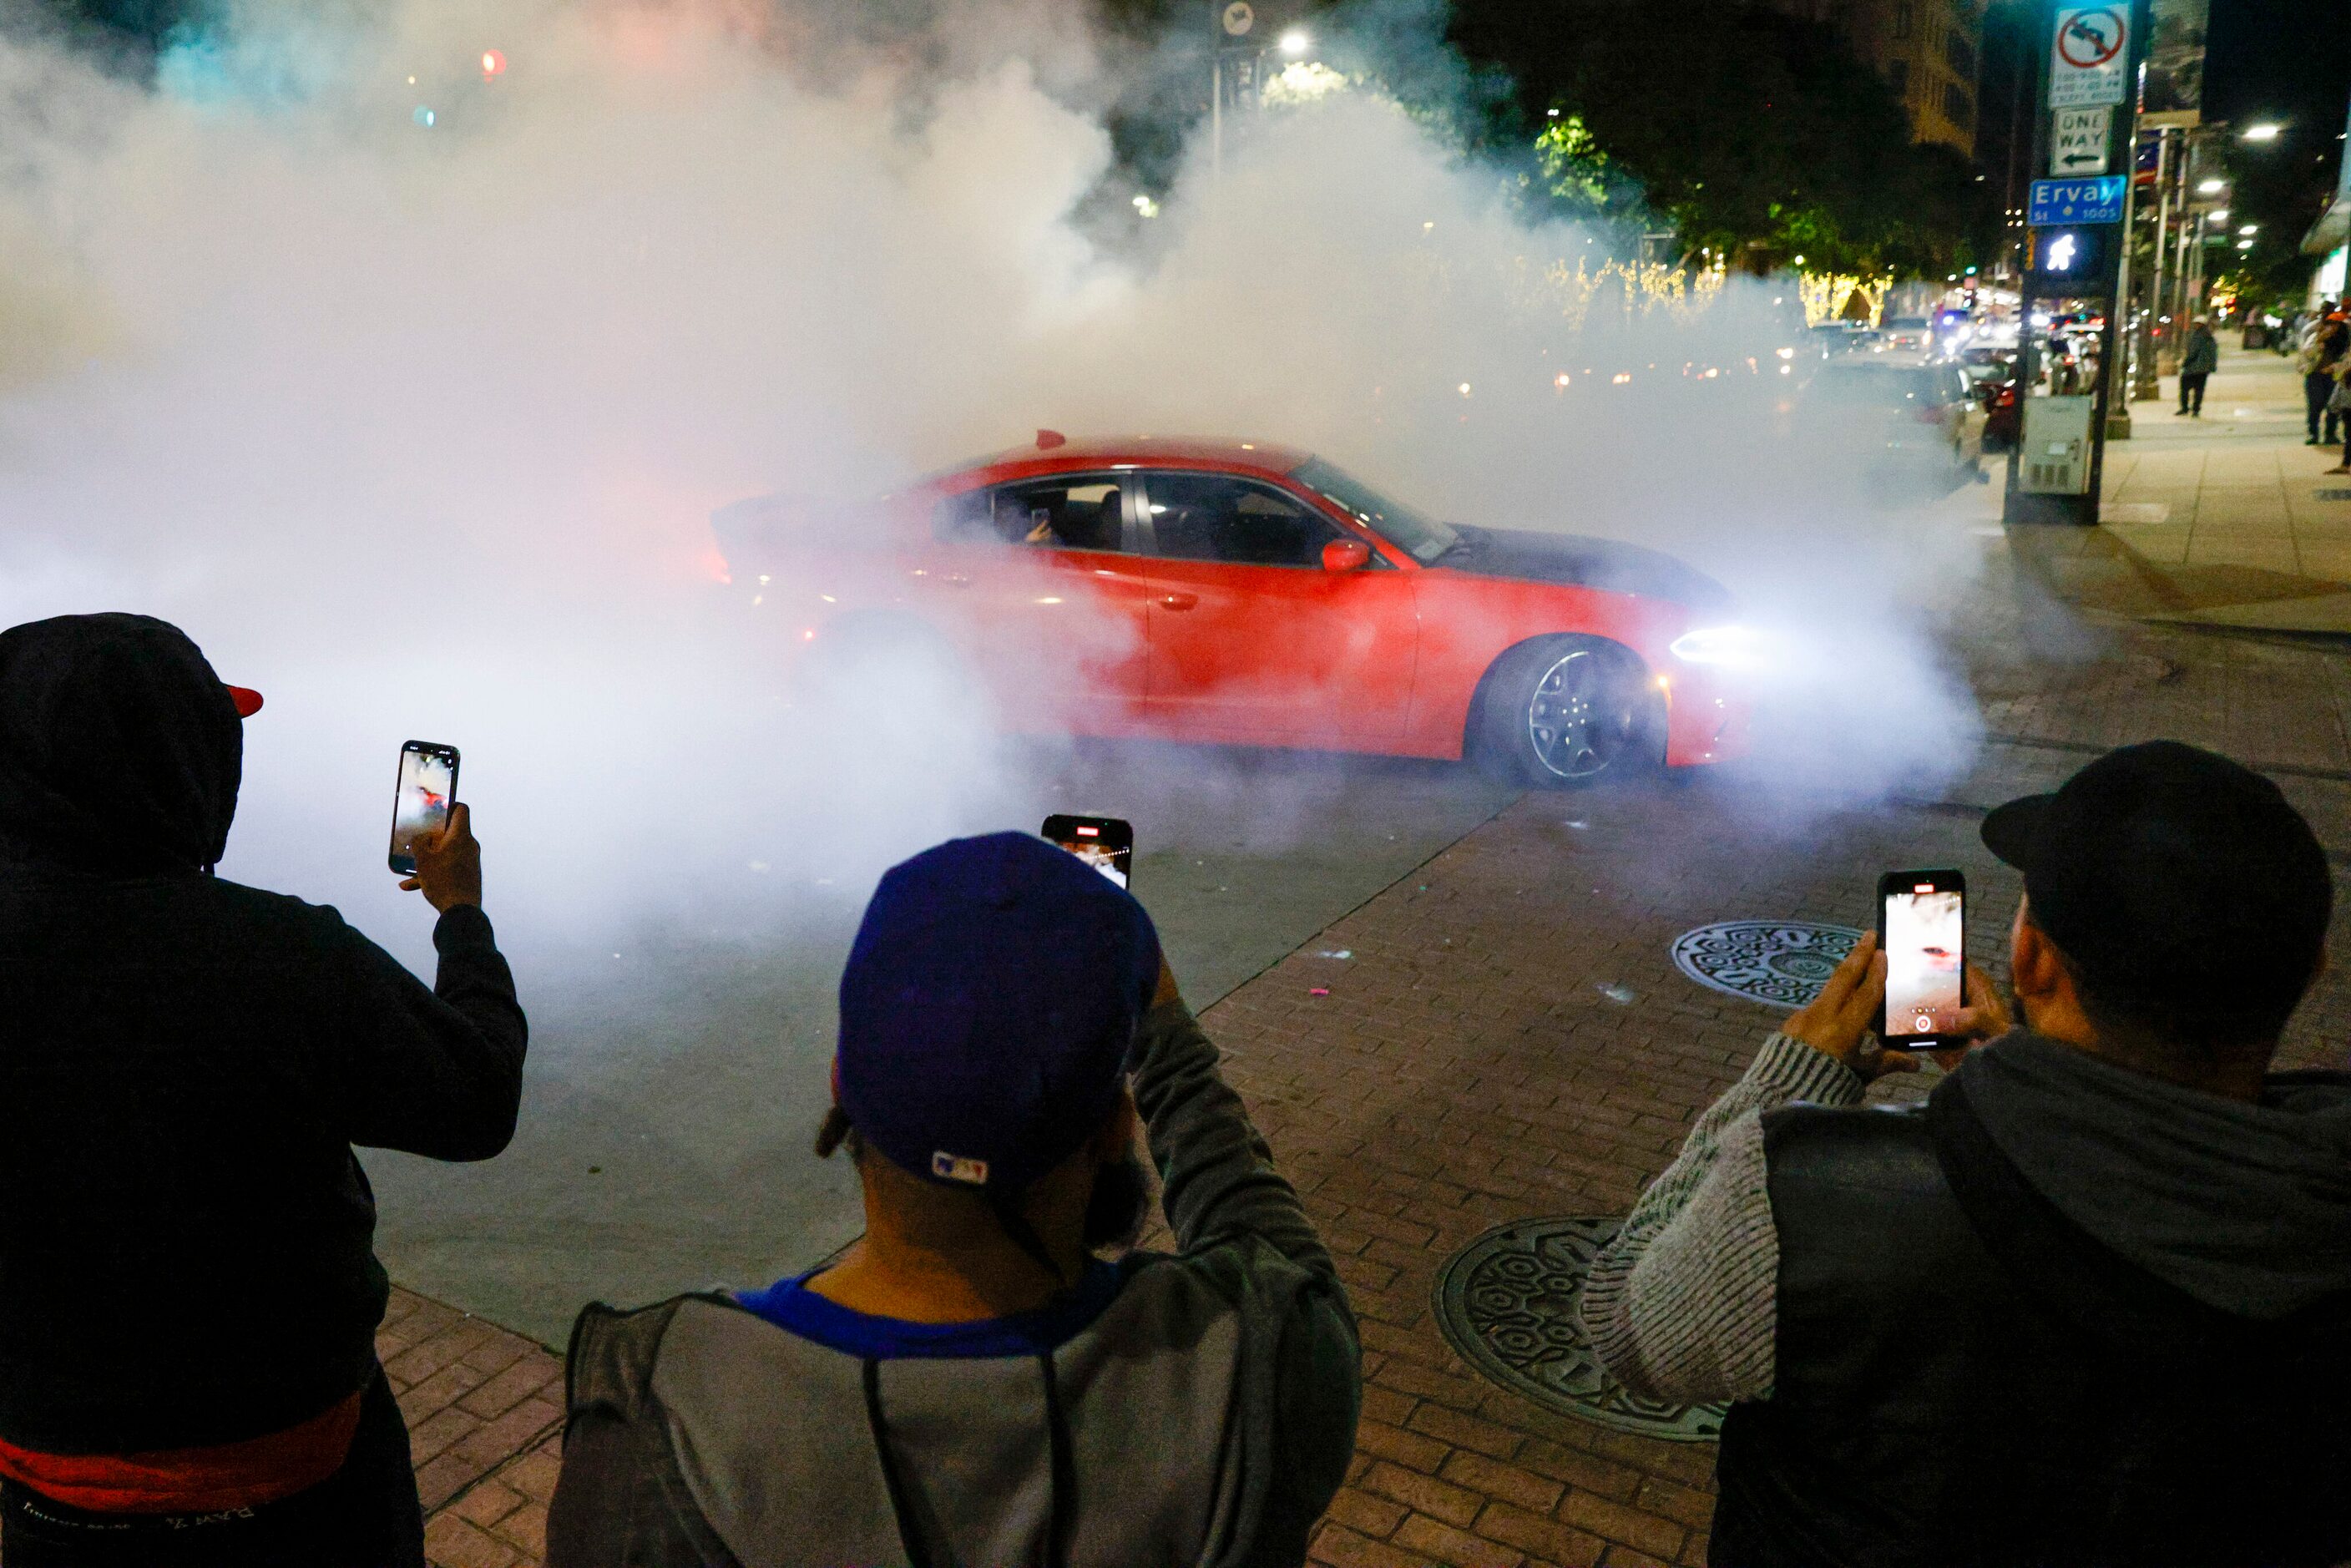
[[974, 1381]]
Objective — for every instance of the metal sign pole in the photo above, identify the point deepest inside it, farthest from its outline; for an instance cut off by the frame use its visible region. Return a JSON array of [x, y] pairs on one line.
[[2016, 505], [2113, 412], [2145, 384]]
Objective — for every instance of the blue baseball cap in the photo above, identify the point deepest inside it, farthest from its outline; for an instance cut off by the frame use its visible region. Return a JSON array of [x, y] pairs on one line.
[[988, 1007]]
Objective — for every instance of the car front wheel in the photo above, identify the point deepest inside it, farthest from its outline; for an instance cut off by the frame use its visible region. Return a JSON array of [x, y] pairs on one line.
[[1567, 712]]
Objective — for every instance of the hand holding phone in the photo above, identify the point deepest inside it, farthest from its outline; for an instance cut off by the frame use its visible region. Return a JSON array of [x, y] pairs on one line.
[[433, 844], [448, 864], [1922, 929]]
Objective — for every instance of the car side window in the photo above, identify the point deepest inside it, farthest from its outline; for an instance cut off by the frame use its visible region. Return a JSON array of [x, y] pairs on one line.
[[1074, 511], [1216, 516]]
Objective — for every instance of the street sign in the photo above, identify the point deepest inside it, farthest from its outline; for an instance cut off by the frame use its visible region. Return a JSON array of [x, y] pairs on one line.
[[2098, 201], [2077, 142], [2089, 64]]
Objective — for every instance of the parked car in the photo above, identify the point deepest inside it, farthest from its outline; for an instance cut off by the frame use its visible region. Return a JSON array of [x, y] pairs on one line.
[[1907, 334], [1995, 374], [1921, 418]]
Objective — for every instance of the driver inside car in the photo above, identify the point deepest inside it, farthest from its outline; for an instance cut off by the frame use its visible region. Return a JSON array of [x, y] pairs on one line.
[[1076, 524]]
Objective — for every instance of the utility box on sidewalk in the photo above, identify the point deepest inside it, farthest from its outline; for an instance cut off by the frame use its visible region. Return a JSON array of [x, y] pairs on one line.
[[2054, 454]]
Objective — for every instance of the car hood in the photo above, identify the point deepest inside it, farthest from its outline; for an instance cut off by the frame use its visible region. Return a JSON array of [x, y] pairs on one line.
[[1577, 561]]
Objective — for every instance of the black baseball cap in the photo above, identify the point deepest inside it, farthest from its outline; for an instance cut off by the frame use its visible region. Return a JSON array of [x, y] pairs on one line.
[[2190, 897]]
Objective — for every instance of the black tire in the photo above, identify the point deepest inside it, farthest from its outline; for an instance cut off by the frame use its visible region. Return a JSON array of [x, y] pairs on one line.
[[1566, 712]]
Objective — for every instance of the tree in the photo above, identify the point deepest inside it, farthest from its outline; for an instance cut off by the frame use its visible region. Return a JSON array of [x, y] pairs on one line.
[[1759, 135]]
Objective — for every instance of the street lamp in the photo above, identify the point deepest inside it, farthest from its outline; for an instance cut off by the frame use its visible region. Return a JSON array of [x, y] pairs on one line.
[[1295, 43], [2211, 187], [2251, 229], [2218, 214], [2265, 132]]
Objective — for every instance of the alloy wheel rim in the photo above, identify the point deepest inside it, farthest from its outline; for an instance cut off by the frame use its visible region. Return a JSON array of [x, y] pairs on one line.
[[1577, 726]]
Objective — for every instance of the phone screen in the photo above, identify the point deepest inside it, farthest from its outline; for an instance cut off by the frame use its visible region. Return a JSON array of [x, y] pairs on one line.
[[1924, 926], [420, 805], [1105, 843]]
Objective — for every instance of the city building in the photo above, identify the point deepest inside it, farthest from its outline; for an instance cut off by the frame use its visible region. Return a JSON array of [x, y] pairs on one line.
[[1929, 51]]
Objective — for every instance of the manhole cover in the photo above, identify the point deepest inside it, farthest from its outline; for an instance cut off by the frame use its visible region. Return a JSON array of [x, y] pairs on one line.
[[1780, 963], [1506, 1303]]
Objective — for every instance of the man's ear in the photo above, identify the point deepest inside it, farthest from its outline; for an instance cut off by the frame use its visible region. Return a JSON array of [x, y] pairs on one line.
[[2035, 968]]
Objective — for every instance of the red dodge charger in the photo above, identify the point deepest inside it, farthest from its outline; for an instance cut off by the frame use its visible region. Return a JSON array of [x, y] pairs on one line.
[[1239, 593]]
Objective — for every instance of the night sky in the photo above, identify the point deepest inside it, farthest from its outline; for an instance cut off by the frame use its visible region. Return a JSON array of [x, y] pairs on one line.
[[2288, 61]]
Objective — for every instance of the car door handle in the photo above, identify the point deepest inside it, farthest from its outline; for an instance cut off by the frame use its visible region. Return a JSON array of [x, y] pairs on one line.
[[1178, 601]]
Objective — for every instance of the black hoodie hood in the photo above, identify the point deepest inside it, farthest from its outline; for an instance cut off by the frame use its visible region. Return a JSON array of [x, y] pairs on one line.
[[121, 750]]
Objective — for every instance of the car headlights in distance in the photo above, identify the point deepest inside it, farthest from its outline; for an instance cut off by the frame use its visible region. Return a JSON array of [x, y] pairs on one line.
[[1729, 647]]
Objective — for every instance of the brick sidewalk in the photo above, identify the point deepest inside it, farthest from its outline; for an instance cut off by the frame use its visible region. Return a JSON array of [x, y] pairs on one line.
[[1467, 1067], [2226, 520], [483, 1408]]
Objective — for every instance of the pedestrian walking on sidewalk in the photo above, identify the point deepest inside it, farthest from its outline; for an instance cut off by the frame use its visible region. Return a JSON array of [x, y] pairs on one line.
[[2320, 358], [2196, 367], [2090, 1303], [975, 1381], [188, 1375]]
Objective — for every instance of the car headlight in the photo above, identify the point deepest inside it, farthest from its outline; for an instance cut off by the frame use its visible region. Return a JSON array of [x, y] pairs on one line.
[[1737, 647]]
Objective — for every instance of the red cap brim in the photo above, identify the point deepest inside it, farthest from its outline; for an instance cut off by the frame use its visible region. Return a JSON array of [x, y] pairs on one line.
[[247, 700]]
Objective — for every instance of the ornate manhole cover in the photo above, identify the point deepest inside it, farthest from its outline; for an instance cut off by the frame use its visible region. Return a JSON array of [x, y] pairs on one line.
[[1506, 1304], [1780, 963]]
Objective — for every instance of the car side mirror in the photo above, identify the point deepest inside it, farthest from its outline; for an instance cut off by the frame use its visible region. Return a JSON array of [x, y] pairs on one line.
[[1346, 555]]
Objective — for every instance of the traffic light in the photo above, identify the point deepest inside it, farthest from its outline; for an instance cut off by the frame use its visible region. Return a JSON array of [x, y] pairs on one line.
[[2070, 261]]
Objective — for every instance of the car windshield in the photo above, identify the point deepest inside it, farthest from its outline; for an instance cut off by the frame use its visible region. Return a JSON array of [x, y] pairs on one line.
[[1424, 538]]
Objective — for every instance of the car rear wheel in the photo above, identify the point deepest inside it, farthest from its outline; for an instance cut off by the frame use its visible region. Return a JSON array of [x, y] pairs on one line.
[[1569, 711]]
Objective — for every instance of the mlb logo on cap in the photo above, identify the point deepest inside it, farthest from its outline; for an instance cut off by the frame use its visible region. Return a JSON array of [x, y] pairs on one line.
[[954, 1167]]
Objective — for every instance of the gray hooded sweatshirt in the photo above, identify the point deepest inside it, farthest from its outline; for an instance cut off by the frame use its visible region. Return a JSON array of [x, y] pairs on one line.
[[1205, 1415]]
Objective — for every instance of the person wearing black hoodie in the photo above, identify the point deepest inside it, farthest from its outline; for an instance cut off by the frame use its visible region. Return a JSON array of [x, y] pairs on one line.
[[2091, 1305], [189, 1291]]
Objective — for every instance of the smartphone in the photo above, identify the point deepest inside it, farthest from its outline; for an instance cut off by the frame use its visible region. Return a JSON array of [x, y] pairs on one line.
[[1922, 928], [420, 800], [1105, 843]]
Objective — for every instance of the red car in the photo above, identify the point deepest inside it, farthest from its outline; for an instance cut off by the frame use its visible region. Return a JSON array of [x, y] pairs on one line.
[[1241, 593]]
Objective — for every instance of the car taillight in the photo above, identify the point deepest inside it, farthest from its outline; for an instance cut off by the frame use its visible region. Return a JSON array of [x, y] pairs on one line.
[[2004, 398]]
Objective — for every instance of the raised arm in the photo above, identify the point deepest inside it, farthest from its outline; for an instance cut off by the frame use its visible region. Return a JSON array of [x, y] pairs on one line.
[[436, 1072], [1216, 1176]]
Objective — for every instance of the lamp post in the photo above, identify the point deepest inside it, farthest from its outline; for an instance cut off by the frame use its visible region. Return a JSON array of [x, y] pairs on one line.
[[2144, 384]]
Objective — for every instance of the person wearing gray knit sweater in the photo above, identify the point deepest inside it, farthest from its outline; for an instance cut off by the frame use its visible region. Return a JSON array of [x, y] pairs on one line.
[[2090, 1305]]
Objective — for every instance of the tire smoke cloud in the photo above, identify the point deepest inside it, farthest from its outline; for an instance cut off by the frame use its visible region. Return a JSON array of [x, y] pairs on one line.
[[408, 388]]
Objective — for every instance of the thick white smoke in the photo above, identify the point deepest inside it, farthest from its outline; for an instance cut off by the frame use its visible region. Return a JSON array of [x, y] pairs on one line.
[[418, 427]]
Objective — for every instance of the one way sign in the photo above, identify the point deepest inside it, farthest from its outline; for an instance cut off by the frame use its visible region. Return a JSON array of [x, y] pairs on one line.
[[2077, 142]]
